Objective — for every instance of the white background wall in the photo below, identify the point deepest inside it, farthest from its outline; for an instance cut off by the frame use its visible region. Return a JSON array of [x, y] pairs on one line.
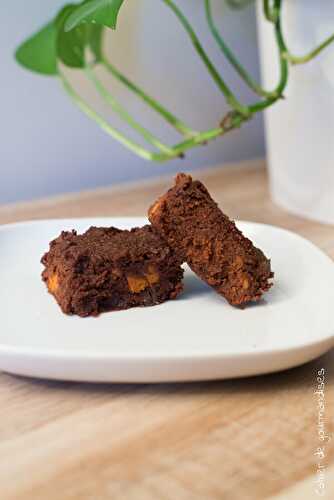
[[47, 146]]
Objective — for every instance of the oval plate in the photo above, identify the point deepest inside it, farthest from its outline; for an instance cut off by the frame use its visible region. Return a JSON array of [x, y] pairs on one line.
[[196, 337]]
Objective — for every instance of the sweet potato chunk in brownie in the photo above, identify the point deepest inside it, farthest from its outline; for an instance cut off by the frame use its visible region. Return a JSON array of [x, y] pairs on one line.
[[107, 269], [210, 242]]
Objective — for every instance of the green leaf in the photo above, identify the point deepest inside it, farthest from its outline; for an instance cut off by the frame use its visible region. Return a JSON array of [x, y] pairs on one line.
[[70, 46], [38, 53], [95, 40], [102, 12]]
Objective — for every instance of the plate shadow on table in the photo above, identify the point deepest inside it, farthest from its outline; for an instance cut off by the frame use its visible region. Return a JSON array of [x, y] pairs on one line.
[[304, 376]]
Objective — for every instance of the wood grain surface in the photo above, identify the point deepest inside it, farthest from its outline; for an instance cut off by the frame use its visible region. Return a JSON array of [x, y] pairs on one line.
[[253, 438]]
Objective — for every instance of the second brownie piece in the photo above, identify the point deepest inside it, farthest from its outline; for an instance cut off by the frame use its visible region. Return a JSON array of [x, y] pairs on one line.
[[108, 269], [210, 242]]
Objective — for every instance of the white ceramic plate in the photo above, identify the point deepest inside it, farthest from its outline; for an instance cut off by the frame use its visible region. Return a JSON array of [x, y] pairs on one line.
[[196, 337]]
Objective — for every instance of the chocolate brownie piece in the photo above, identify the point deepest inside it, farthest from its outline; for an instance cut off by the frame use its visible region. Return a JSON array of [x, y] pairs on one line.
[[108, 269], [210, 242]]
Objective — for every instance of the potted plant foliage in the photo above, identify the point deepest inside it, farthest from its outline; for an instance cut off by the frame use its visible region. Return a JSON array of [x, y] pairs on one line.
[[74, 39]]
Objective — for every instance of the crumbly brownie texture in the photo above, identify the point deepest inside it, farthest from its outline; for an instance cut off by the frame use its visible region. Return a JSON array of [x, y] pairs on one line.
[[107, 269], [210, 243]]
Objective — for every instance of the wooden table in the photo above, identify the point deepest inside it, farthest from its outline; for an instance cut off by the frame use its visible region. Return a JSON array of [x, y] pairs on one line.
[[245, 439]]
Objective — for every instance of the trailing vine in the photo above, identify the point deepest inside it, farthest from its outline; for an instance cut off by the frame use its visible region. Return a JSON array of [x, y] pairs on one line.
[[78, 29]]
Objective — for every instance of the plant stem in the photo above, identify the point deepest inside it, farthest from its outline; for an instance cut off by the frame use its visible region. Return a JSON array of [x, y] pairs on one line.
[[207, 136], [199, 140], [116, 134], [230, 97], [174, 152], [308, 57], [230, 56], [238, 4], [266, 10], [169, 117], [284, 67], [118, 108], [269, 12]]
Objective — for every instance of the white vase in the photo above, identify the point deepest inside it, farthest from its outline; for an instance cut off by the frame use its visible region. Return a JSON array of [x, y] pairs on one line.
[[300, 129]]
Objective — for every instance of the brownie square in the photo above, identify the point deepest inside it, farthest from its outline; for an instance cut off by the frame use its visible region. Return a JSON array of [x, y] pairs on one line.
[[108, 269]]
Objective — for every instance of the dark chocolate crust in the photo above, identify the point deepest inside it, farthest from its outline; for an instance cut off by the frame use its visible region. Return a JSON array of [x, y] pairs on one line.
[[210, 242], [108, 269]]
